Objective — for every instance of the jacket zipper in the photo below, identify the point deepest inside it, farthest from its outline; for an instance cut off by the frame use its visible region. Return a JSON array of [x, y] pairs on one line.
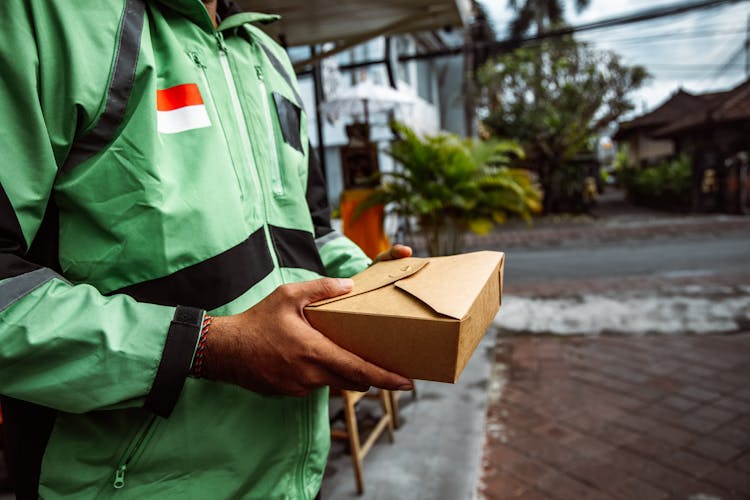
[[302, 464], [276, 184], [239, 117], [204, 79], [119, 481]]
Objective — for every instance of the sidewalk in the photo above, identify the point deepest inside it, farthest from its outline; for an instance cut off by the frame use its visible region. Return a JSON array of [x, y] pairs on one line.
[[624, 417], [614, 219], [437, 451], [567, 231]]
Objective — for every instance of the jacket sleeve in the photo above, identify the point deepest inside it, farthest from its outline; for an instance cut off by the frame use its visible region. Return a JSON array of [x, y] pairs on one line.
[[341, 257], [62, 345]]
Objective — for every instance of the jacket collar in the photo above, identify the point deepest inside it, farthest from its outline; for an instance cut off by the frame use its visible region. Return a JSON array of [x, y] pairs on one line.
[[246, 17], [230, 13]]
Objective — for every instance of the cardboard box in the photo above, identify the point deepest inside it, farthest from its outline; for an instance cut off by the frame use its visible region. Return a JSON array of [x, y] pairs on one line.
[[421, 318]]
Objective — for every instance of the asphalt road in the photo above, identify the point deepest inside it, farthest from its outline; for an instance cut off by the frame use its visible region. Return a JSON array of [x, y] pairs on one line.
[[690, 255]]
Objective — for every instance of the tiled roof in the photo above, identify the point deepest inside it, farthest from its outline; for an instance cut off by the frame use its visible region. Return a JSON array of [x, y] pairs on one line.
[[685, 110], [736, 106], [672, 109]]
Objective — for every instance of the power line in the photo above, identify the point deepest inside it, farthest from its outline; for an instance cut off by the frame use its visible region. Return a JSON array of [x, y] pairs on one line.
[[644, 15], [713, 74], [730, 61], [657, 23], [666, 37], [650, 14], [696, 66]]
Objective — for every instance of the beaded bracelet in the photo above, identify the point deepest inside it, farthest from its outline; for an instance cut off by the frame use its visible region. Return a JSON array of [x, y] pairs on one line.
[[197, 369]]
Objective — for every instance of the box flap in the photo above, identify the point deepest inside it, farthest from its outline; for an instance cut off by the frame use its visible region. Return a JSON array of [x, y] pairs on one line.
[[467, 274], [379, 275]]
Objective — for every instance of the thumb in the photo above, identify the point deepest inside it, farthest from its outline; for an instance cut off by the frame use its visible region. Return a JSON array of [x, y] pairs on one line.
[[325, 288]]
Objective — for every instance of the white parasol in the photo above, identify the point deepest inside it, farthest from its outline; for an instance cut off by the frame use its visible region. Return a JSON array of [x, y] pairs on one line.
[[364, 98]]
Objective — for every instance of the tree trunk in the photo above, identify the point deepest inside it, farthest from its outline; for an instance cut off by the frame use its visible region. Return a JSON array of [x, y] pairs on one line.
[[444, 237]]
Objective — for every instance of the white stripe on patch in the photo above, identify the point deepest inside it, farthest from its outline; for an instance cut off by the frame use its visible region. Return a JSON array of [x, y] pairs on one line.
[[182, 119]]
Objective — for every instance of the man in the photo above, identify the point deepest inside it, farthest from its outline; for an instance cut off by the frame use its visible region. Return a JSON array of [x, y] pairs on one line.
[[155, 167]]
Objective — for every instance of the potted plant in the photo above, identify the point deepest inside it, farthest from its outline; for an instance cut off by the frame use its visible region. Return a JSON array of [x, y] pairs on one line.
[[453, 185]]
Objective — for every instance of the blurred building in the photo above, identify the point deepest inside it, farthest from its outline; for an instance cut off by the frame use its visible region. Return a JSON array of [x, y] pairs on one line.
[[408, 45], [638, 134], [712, 129]]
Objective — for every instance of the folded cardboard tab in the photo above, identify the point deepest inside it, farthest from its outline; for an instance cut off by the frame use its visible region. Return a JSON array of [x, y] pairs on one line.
[[421, 318]]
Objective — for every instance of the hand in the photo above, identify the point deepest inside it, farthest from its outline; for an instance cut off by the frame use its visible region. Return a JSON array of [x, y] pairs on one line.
[[396, 252], [272, 349]]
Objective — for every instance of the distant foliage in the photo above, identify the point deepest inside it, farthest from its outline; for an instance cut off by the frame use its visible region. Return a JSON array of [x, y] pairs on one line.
[[539, 15], [665, 186], [452, 185], [555, 99]]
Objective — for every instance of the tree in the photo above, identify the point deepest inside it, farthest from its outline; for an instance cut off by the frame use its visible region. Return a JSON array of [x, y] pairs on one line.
[[555, 98], [539, 14]]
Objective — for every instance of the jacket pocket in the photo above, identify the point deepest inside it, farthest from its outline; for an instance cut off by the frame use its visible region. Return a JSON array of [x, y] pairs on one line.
[[289, 119], [206, 86], [134, 451]]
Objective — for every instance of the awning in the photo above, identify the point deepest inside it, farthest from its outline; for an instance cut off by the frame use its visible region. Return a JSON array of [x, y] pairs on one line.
[[348, 22]]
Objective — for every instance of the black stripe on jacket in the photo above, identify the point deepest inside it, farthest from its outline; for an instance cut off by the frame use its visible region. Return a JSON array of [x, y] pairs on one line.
[[213, 282], [120, 87], [317, 196], [296, 248], [12, 242]]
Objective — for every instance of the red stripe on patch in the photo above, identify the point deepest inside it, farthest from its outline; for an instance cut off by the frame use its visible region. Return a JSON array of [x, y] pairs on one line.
[[178, 96]]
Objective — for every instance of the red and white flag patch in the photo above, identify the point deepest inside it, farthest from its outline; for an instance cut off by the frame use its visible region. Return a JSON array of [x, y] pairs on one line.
[[180, 108]]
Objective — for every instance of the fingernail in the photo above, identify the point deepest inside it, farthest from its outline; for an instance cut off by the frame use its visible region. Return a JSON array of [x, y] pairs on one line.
[[346, 283], [406, 387]]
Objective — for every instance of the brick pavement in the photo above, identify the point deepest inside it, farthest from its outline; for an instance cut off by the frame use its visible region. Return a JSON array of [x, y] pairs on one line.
[[550, 232], [553, 232], [637, 417], [607, 230]]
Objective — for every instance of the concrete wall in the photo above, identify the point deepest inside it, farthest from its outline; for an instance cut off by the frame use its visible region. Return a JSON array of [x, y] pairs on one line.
[[646, 150]]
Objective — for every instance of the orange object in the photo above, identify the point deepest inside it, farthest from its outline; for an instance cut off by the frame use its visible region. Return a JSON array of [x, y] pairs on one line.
[[367, 230]]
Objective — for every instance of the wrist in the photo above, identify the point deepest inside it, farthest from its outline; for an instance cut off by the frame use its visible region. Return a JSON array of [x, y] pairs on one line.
[[217, 357]]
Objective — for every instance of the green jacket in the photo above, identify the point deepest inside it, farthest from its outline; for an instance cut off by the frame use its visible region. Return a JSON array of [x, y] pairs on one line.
[[148, 161]]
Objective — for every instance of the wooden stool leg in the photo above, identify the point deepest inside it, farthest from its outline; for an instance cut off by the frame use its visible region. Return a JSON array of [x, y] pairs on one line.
[[385, 404], [393, 396], [354, 443]]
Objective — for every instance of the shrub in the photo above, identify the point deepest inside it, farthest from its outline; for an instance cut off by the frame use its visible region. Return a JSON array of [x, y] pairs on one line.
[[664, 186]]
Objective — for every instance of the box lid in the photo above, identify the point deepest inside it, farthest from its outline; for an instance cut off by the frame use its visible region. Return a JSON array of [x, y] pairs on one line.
[[466, 275], [379, 275], [425, 280]]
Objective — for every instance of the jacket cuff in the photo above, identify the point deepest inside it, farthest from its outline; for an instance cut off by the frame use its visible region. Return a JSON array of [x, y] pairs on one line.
[[176, 360]]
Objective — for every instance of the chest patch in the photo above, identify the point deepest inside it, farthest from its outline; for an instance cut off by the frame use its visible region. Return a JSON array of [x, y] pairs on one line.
[[180, 108]]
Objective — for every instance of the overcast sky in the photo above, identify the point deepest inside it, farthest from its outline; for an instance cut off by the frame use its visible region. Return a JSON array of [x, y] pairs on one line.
[[691, 51]]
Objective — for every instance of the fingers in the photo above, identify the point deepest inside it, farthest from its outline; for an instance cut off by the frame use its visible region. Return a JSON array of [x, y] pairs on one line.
[[356, 372], [325, 288], [395, 252], [272, 349], [337, 382], [400, 251]]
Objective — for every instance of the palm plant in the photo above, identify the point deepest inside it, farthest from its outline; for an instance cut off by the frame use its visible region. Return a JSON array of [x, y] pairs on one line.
[[453, 185], [539, 14]]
